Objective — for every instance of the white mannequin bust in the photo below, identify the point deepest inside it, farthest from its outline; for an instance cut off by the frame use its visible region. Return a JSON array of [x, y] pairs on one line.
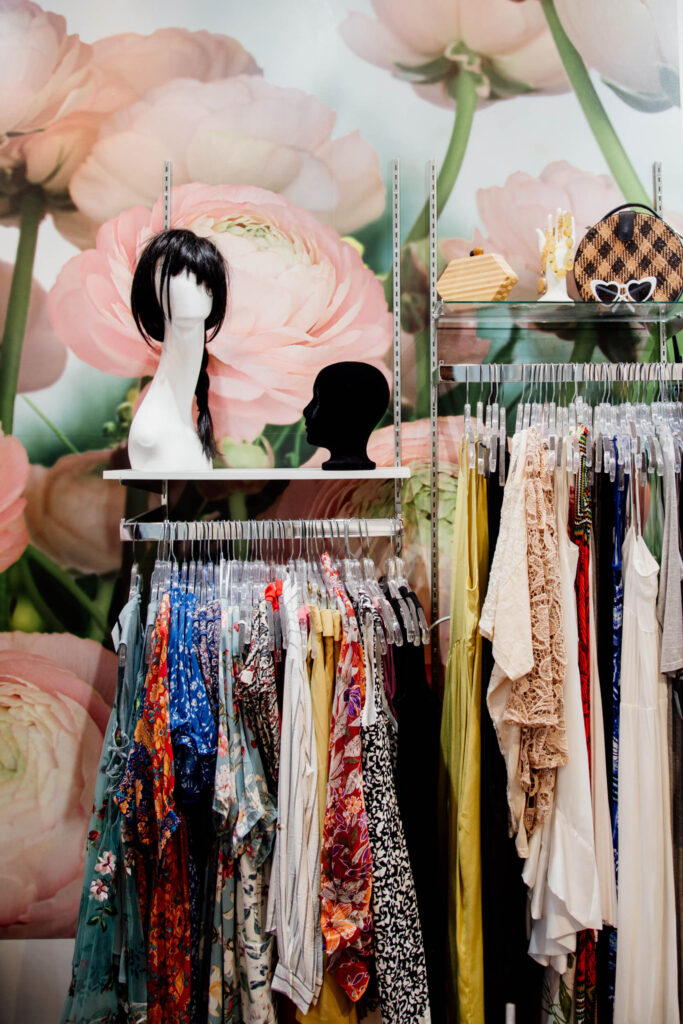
[[163, 434], [178, 302]]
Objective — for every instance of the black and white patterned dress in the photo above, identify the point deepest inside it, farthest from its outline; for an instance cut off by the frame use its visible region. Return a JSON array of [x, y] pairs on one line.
[[398, 949]]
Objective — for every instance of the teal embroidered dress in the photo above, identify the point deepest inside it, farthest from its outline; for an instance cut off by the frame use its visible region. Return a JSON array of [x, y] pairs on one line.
[[108, 982]]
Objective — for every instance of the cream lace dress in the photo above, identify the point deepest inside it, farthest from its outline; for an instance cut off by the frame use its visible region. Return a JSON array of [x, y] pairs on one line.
[[522, 616]]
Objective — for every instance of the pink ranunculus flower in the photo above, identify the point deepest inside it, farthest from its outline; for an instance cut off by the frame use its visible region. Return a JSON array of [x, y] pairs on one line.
[[14, 471], [44, 73], [73, 515], [632, 43], [508, 46], [131, 64], [371, 498], [239, 131], [510, 213], [300, 298], [123, 68], [43, 356], [55, 694]]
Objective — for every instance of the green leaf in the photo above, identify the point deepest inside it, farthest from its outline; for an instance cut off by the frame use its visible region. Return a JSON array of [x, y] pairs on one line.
[[647, 104], [94, 919], [428, 73], [671, 84], [502, 87]]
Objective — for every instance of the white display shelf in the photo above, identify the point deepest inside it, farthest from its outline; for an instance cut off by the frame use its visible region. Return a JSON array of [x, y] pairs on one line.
[[132, 476]]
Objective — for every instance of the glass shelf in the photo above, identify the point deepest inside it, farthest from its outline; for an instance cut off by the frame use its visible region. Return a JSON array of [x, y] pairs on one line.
[[498, 315], [132, 476]]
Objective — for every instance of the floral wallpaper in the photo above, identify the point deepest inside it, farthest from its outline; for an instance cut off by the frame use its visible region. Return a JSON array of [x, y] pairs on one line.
[[281, 118]]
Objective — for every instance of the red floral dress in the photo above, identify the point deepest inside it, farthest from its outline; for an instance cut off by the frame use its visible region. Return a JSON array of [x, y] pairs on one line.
[[155, 836], [346, 868]]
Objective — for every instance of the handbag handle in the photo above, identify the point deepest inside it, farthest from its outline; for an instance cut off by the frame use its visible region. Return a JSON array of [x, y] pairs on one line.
[[628, 206]]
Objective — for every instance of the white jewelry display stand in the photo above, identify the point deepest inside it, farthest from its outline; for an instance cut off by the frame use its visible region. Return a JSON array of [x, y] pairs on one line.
[[561, 245]]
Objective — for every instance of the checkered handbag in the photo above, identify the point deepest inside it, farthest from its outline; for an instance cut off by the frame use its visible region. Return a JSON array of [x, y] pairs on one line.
[[625, 249]]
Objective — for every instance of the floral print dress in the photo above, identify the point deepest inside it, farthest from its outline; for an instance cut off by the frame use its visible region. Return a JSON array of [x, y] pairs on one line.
[[155, 841], [346, 864], [256, 690], [242, 953], [108, 980]]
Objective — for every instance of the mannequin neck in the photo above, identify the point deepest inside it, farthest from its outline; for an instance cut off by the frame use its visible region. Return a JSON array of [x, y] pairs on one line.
[[180, 363], [349, 455]]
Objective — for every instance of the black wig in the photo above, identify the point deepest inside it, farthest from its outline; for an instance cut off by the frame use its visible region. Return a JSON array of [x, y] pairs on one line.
[[173, 252]]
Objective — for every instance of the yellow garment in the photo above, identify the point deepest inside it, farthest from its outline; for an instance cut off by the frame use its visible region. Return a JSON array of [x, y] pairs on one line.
[[333, 1006], [461, 751]]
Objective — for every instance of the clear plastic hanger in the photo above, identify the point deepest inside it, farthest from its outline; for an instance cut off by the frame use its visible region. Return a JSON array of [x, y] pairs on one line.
[[467, 423], [502, 431], [491, 424], [395, 592], [135, 577], [480, 448], [368, 582], [519, 419]]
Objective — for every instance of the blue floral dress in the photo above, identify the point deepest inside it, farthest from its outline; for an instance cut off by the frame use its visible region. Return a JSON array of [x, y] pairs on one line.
[[193, 728], [108, 981], [194, 735]]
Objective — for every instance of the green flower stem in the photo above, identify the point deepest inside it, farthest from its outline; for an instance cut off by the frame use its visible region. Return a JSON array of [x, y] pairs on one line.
[[52, 426], [424, 387], [30, 215], [105, 593], [4, 603], [52, 622], [69, 585], [614, 153], [464, 92], [237, 509], [583, 347]]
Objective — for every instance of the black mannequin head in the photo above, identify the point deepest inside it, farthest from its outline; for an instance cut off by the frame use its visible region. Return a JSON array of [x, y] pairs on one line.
[[349, 400], [166, 255]]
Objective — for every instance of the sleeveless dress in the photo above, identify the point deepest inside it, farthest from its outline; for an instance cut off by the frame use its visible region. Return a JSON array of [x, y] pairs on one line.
[[646, 989]]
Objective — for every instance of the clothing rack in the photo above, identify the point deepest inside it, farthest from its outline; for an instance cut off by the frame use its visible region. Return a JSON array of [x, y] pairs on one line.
[[562, 313], [259, 529]]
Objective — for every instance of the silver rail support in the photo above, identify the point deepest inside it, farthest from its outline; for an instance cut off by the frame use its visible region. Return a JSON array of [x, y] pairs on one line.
[[167, 195], [433, 415], [396, 310], [555, 373], [658, 194]]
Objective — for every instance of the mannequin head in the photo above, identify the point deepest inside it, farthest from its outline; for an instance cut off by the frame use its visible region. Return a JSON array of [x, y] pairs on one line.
[[349, 400], [182, 278]]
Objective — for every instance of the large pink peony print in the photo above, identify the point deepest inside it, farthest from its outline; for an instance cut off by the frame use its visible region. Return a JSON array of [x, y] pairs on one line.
[[300, 298], [14, 471], [55, 694], [240, 130]]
